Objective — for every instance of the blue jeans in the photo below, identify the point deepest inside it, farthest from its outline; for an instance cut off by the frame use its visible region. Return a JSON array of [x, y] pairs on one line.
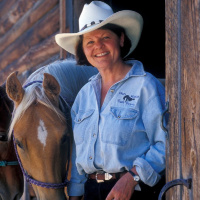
[[99, 191]]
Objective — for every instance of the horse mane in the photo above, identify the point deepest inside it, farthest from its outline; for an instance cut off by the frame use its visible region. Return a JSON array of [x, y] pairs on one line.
[[69, 75]]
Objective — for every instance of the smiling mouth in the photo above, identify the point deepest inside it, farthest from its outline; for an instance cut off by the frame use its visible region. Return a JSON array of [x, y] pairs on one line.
[[101, 54]]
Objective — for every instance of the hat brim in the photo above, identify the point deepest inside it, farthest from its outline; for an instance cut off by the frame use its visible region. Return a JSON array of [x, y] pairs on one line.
[[131, 21]]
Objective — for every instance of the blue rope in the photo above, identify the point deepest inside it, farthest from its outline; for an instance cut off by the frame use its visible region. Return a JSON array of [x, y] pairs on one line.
[[7, 163]]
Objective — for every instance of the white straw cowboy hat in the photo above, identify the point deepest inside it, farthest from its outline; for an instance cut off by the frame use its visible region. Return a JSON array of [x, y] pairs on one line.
[[97, 14]]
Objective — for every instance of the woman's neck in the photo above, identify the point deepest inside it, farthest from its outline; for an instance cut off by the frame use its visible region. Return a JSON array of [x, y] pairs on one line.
[[110, 77]]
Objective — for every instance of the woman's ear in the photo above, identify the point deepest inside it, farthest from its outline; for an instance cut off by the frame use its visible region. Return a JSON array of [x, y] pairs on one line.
[[121, 42]]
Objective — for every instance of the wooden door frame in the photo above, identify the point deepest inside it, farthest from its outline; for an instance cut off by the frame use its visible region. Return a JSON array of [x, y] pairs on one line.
[[183, 93]]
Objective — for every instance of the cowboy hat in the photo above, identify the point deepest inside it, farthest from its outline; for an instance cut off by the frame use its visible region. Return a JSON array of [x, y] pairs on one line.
[[97, 14]]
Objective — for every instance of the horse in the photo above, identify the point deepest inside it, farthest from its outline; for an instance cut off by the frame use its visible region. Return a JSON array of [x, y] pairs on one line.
[[41, 124], [11, 177]]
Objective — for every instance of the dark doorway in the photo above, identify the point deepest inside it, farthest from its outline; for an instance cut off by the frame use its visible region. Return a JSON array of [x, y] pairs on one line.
[[151, 48]]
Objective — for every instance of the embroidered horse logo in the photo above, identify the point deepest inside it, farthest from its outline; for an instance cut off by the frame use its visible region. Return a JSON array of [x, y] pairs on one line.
[[128, 98]]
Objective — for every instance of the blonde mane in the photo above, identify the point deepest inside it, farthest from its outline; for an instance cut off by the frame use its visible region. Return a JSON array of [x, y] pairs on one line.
[[71, 78]]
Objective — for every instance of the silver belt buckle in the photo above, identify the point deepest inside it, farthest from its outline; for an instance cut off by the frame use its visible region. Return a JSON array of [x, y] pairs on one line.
[[107, 176], [99, 181]]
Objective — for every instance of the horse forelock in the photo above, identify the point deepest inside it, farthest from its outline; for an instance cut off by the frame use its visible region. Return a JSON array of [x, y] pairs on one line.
[[34, 93]]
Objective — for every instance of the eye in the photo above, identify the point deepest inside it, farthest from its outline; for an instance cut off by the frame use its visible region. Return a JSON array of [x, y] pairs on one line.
[[106, 37], [19, 144], [90, 42], [3, 138], [65, 138]]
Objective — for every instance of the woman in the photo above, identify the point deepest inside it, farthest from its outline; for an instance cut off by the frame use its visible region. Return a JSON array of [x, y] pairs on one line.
[[119, 146]]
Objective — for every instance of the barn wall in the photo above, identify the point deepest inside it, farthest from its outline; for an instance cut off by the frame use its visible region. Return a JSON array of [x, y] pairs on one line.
[[27, 30]]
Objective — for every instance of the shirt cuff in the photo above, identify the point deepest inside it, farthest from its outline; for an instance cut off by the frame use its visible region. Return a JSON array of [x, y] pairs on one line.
[[147, 174], [75, 189]]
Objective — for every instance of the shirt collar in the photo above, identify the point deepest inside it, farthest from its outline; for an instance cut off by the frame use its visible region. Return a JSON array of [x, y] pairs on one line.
[[136, 70]]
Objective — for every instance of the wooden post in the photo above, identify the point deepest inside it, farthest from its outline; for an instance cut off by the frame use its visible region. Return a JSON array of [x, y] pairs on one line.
[[183, 92]]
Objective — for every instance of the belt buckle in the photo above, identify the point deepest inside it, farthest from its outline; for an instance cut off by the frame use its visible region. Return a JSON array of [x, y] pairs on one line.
[[99, 181], [107, 176]]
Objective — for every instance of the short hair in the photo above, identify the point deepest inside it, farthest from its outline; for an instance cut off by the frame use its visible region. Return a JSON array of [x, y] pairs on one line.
[[118, 30]]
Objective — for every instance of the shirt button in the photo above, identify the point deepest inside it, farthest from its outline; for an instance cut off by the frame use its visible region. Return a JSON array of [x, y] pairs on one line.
[[79, 120], [112, 90], [119, 116], [94, 135], [90, 157]]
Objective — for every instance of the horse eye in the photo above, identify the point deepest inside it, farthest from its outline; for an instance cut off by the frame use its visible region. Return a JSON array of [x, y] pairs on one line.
[[3, 138], [63, 140], [19, 144]]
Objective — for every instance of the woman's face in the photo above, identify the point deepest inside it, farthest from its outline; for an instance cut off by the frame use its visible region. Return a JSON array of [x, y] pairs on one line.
[[102, 48]]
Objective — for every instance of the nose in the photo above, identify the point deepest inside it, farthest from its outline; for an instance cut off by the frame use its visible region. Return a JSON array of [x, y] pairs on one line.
[[99, 44]]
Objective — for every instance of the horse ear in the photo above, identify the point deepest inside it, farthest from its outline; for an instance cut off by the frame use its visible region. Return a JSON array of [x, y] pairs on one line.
[[51, 88], [14, 88]]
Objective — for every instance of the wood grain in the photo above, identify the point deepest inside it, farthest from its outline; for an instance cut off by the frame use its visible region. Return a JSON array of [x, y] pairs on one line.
[[173, 154], [36, 55], [44, 28], [183, 91], [27, 19], [14, 14]]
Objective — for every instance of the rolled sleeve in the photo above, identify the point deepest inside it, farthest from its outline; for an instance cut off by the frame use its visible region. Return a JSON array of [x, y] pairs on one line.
[[75, 189], [150, 164], [76, 184], [147, 174]]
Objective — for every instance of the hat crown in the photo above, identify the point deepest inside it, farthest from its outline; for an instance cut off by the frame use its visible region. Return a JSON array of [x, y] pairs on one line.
[[94, 13]]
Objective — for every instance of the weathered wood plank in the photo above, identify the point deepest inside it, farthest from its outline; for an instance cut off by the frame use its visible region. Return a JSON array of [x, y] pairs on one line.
[[183, 66], [190, 73], [63, 27], [14, 14], [5, 6], [36, 55], [38, 10], [45, 27], [173, 154]]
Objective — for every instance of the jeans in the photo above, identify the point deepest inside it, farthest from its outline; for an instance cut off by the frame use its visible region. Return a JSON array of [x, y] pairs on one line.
[[99, 191]]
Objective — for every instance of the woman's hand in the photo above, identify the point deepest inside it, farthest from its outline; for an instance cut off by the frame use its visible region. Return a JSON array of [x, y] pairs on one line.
[[123, 189]]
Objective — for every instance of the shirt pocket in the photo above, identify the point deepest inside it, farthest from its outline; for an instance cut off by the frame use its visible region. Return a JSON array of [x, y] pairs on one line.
[[119, 126], [80, 124]]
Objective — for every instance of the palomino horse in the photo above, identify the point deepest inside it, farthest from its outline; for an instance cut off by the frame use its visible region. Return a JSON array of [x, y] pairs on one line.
[[11, 177], [41, 124]]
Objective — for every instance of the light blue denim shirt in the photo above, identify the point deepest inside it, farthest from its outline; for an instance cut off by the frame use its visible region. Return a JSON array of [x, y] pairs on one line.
[[123, 133]]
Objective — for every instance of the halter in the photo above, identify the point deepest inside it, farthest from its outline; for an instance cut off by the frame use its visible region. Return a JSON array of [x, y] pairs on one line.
[[28, 177], [4, 163]]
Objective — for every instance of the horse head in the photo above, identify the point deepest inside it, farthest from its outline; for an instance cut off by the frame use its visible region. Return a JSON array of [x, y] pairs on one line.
[[11, 177], [41, 134]]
